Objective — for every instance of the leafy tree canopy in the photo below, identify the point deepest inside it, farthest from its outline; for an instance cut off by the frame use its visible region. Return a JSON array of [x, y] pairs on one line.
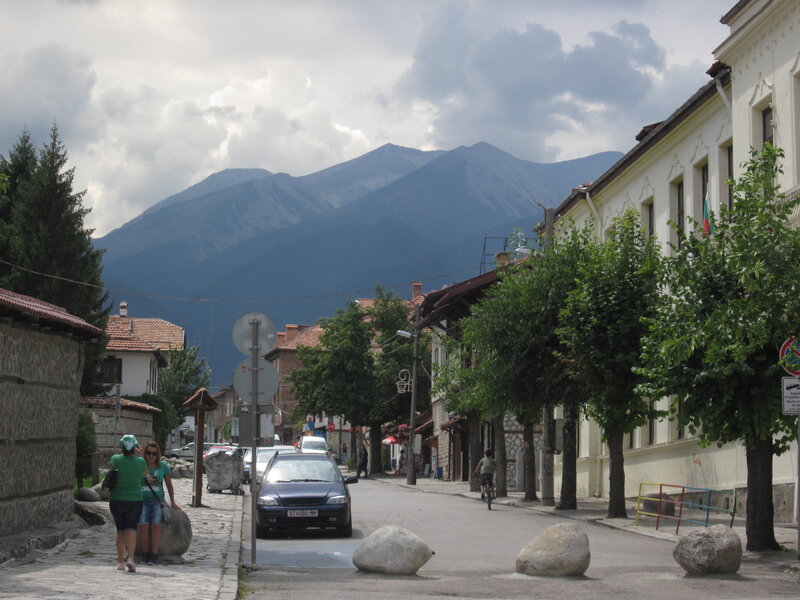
[[187, 372]]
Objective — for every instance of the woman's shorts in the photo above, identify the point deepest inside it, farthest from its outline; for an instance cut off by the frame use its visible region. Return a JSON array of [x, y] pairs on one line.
[[126, 513], [151, 513]]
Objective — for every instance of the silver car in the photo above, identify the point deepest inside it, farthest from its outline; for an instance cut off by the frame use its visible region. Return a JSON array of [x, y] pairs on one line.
[[264, 454]]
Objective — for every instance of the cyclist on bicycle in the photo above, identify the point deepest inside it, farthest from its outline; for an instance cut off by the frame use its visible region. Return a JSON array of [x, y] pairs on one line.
[[487, 467]]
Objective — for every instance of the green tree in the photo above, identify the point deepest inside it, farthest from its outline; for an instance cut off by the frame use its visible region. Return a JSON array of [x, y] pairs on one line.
[[602, 330], [16, 171], [713, 343], [353, 371], [85, 445], [337, 376], [186, 373], [46, 235], [164, 421]]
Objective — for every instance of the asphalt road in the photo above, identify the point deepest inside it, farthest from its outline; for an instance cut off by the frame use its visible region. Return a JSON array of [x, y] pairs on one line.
[[475, 555]]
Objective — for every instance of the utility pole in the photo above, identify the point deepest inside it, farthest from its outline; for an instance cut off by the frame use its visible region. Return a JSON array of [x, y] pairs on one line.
[[411, 464], [546, 452]]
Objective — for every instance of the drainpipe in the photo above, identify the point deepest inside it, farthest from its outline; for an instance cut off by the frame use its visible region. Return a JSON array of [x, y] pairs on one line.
[[721, 92], [590, 202]]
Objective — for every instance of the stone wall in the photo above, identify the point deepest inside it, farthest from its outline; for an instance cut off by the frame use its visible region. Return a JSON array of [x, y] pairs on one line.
[[137, 422], [40, 375]]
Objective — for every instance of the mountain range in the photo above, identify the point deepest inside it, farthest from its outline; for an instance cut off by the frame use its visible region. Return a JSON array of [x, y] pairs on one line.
[[297, 248]]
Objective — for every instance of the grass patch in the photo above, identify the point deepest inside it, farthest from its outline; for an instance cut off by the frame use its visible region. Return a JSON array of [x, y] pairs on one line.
[[241, 588], [87, 482]]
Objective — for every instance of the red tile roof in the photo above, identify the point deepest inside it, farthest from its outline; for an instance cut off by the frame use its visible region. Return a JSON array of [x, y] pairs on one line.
[[107, 402], [32, 309], [158, 333]]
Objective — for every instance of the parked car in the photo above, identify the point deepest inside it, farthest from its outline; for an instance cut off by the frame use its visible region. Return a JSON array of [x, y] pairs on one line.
[[303, 491], [264, 454], [310, 444], [185, 452]]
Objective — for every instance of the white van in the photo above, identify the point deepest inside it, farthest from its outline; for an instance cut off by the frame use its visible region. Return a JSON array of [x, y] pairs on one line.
[[310, 444]]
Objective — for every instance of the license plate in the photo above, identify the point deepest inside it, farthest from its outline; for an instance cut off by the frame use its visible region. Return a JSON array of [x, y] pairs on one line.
[[301, 513]]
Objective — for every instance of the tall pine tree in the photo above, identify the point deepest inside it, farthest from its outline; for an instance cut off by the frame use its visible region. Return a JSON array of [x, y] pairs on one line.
[[46, 238], [17, 171]]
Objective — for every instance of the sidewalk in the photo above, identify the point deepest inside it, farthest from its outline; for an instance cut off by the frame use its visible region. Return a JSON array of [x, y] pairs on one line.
[[594, 510], [84, 566]]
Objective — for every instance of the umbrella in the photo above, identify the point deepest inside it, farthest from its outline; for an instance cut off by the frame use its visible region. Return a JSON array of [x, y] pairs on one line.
[[392, 439]]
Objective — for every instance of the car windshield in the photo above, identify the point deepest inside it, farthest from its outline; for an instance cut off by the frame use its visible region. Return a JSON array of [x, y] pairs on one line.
[[315, 445], [303, 470]]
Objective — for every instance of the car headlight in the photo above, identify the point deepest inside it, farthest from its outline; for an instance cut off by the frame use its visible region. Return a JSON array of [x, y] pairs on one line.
[[337, 500], [267, 501]]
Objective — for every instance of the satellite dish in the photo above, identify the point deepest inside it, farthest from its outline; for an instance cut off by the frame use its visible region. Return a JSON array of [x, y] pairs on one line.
[[243, 333]]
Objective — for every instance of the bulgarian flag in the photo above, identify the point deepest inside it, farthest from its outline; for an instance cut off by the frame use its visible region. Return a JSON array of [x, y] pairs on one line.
[[706, 223]]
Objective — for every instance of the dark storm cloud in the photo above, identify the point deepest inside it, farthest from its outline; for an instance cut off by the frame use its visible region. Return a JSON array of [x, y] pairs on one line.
[[516, 87], [45, 84]]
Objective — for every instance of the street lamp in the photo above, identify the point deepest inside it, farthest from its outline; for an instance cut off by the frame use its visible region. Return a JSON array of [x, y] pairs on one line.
[[411, 477]]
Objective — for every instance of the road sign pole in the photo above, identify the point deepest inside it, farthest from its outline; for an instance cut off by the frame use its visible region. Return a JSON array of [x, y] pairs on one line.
[[254, 455]]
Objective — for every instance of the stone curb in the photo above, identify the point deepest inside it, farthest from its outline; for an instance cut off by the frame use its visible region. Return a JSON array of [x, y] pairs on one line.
[[20, 545], [229, 578]]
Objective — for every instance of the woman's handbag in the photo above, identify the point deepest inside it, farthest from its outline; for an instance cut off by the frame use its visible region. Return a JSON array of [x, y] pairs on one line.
[[166, 511], [110, 479]]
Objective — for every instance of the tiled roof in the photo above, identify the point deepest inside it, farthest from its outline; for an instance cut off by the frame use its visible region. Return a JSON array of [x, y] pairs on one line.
[[32, 309], [122, 340], [107, 402], [307, 337], [159, 333]]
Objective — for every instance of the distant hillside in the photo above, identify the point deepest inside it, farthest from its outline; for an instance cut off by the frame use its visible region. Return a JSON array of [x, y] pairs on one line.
[[297, 248]]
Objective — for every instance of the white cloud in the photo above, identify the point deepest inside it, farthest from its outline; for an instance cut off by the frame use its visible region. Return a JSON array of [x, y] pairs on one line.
[[151, 97]]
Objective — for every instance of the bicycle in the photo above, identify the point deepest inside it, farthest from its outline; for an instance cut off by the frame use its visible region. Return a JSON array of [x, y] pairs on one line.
[[489, 490]]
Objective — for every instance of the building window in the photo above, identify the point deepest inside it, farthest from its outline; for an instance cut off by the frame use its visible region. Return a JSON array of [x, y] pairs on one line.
[[766, 125], [729, 163], [649, 217], [678, 211], [112, 370], [705, 209]]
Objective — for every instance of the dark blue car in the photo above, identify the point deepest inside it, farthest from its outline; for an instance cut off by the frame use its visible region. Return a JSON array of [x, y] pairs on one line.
[[303, 491]]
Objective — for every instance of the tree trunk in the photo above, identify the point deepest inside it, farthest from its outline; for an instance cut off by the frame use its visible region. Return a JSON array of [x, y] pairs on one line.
[[353, 453], [616, 475], [375, 440], [530, 462], [569, 458], [760, 509], [501, 475], [475, 454]]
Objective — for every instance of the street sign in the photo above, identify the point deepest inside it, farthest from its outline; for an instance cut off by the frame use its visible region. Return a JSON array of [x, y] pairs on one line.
[[791, 395], [331, 426], [789, 355], [243, 333], [267, 381]]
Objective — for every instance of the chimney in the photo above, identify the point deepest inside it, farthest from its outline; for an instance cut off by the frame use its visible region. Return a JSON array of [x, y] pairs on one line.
[[291, 331], [281, 339], [416, 290], [123, 309]]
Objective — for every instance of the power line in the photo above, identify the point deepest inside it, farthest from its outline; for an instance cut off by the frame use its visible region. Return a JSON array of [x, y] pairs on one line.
[[226, 300]]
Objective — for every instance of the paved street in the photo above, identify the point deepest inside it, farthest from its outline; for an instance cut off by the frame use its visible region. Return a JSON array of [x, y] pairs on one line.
[[475, 554], [84, 566]]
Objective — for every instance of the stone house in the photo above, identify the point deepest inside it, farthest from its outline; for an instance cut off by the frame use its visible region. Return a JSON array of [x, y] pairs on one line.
[[678, 168], [111, 424], [40, 374]]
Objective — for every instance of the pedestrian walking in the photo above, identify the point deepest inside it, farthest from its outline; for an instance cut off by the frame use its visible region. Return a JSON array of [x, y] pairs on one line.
[[126, 499], [401, 463], [158, 473], [363, 458]]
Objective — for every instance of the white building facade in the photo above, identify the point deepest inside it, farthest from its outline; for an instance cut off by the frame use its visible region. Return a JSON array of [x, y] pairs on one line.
[[753, 96]]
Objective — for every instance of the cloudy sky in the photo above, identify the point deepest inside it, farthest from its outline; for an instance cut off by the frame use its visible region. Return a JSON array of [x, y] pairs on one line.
[[152, 96]]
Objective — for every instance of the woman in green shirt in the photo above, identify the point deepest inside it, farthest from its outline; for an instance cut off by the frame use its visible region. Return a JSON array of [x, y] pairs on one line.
[[126, 500]]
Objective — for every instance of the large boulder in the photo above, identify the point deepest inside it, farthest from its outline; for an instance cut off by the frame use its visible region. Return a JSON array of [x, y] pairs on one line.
[[176, 534], [87, 495], [392, 550], [562, 549], [711, 550], [93, 513], [103, 492]]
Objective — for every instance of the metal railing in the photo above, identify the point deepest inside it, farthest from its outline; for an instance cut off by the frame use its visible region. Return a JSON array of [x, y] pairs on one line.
[[683, 504]]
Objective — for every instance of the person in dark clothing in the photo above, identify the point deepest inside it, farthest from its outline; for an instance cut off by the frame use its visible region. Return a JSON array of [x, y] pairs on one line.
[[363, 457]]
